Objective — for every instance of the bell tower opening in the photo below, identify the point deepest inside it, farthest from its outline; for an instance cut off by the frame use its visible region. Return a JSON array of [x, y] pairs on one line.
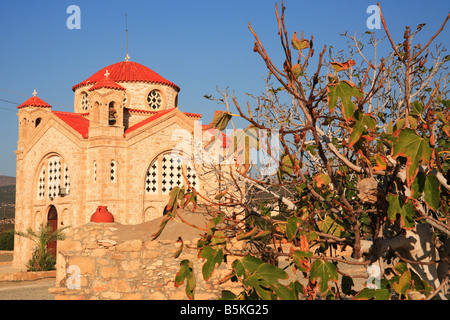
[[112, 114]]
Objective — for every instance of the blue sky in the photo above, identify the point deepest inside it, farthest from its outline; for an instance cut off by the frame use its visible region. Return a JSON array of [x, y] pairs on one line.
[[198, 45]]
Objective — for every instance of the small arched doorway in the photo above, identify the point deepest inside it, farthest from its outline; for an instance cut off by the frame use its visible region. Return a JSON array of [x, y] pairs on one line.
[[52, 221]]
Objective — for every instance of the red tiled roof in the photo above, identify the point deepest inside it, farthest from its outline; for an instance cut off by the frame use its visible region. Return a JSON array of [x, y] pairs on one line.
[[156, 115], [74, 120], [148, 120], [34, 102], [108, 83], [127, 71], [142, 111], [193, 115], [188, 114]]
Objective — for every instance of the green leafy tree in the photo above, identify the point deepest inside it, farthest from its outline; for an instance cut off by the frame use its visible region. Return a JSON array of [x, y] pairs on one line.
[[42, 259], [364, 163]]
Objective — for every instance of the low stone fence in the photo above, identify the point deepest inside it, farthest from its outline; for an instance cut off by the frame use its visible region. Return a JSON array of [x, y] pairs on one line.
[[114, 261]]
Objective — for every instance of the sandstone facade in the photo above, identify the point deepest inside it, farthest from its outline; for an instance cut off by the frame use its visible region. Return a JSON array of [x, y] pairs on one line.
[[111, 261], [114, 151]]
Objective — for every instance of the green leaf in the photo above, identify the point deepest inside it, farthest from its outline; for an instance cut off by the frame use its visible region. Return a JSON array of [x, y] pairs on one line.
[[297, 288], [261, 287], [287, 165], [403, 283], [292, 225], [371, 294], [324, 271], [431, 192], [343, 90], [416, 108], [227, 295], [401, 267], [263, 278], [331, 225], [362, 122], [415, 149], [346, 285], [428, 186], [213, 258], [248, 263], [271, 273], [397, 206], [299, 258], [186, 273], [175, 195], [268, 275]]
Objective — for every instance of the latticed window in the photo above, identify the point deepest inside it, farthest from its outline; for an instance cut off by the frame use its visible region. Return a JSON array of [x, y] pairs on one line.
[[53, 176], [171, 174], [192, 177], [66, 178], [166, 172], [41, 184], [154, 99], [113, 171], [85, 101], [152, 178]]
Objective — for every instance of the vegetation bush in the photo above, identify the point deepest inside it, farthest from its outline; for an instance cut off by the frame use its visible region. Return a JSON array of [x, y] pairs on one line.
[[7, 240]]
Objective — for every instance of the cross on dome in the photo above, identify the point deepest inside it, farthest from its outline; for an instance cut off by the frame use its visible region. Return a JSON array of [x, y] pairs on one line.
[[107, 73], [34, 93]]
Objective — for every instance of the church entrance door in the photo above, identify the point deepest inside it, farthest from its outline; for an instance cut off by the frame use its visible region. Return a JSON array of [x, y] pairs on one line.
[[52, 220]]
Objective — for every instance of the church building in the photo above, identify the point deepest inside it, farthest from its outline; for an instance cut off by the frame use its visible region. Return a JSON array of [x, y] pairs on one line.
[[113, 150]]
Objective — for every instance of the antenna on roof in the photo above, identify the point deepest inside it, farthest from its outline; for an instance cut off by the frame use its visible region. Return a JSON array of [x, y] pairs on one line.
[[127, 57]]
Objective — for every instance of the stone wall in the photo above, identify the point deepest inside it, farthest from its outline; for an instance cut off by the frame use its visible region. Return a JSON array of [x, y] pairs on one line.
[[114, 261]]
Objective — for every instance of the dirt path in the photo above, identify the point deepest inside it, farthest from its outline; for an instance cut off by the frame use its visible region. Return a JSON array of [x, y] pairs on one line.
[[27, 290]]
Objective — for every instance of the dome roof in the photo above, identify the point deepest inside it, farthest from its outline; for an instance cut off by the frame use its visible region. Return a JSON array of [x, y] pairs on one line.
[[106, 82], [34, 102], [127, 71]]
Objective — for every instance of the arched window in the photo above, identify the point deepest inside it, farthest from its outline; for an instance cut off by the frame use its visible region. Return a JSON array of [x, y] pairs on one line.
[[166, 172], [37, 122], [53, 180]]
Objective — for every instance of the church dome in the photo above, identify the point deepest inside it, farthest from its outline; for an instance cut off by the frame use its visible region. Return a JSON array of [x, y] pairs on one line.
[[127, 71]]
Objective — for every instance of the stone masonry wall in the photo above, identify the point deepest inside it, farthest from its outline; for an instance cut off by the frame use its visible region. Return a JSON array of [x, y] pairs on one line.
[[114, 261]]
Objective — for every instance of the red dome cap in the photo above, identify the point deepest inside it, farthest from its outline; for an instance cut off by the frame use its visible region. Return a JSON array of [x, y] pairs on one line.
[[127, 71], [34, 102]]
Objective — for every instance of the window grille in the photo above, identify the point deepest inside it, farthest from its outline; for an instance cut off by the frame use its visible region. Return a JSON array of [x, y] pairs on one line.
[[113, 171]]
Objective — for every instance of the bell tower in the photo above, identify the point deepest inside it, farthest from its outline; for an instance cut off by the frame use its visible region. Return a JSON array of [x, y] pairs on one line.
[[106, 114], [31, 114]]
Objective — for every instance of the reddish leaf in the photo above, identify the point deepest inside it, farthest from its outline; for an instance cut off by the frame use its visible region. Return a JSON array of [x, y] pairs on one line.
[[343, 66]]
